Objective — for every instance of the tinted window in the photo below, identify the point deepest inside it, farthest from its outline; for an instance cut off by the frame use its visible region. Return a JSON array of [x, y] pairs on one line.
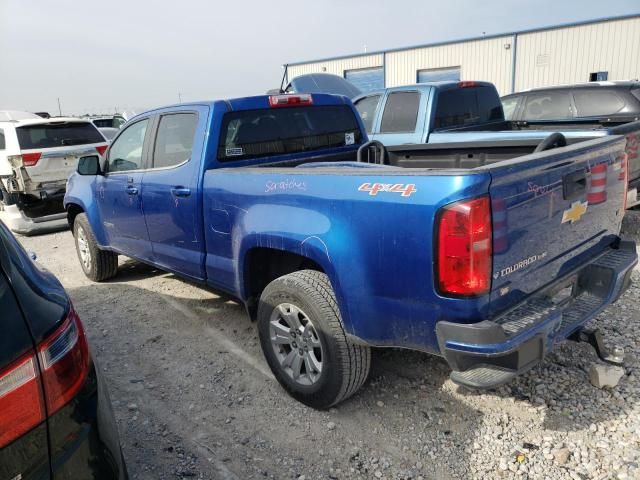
[[57, 135], [366, 79], [597, 102], [2, 142], [367, 109], [509, 106], [466, 106], [439, 75], [547, 106], [118, 122], [15, 338], [400, 112], [126, 151], [174, 139], [256, 133]]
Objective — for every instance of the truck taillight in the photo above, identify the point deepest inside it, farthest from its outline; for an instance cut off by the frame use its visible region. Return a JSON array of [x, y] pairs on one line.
[[298, 100], [30, 159], [64, 365], [464, 248]]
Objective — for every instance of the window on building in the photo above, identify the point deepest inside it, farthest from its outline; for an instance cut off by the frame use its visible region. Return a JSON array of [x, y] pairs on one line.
[[439, 74], [598, 76], [174, 139], [367, 109], [366, 79], [548, 106], [593, 101], [400, 112]]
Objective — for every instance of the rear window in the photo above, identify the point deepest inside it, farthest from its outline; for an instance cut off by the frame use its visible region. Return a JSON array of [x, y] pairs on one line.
[[466, 106], [590, 103], [2, 142], [272, 131], [57, 135], [104, 122]]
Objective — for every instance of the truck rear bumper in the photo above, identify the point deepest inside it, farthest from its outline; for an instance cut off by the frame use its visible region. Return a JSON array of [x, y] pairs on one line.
[[492, 352], [18, 222]]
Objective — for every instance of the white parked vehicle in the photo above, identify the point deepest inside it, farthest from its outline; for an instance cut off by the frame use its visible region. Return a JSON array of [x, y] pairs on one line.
[[37, 155]]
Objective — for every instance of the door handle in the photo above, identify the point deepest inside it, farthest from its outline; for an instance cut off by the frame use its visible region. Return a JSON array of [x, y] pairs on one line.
[[181, 191], [131, 190]]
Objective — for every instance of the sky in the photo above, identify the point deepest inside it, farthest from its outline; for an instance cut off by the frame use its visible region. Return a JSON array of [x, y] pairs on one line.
[[102, 56]]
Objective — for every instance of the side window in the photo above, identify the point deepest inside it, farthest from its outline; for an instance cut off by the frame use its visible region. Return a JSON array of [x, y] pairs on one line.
[[2, 142], [548, 106], [126, 151], [367, 109], [118, 122], [174, 139], [591, 102], [509, 106], [400, 112]]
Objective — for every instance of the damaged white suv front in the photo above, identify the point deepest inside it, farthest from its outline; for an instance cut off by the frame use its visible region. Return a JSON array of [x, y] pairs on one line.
[[37, 156]]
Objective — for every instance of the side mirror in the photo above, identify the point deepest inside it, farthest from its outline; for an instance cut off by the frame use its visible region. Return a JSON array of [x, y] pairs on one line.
[[89, 165]]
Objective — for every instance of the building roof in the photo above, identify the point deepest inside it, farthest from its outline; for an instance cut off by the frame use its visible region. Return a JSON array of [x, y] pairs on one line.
[[469, 39]]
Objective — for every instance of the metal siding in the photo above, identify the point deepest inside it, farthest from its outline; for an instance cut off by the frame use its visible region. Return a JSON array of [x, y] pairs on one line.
[[575, 52], [478, 60], [337, 67]]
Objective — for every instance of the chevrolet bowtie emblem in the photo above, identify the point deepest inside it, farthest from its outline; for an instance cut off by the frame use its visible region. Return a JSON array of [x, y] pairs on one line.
[[574, 213]]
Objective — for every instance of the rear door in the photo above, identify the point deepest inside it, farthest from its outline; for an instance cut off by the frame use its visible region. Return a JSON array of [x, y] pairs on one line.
[[551, 212], [50, 151], [119, 191], [170, 192]]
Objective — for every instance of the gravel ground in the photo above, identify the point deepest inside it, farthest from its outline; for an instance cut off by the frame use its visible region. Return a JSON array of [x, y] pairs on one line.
[[194, 397]]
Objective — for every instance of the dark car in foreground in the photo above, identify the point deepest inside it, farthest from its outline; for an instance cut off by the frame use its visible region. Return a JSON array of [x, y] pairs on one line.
[[55, 415]]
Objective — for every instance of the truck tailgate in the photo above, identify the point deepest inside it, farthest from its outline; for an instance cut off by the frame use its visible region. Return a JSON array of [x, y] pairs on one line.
[[551, 211]]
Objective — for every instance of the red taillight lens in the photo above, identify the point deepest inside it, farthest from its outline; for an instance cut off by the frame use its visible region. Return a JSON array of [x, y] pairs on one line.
[[290, 100], [30, 159], [464, 248], [65, 361], [101, 149], [21, 404]]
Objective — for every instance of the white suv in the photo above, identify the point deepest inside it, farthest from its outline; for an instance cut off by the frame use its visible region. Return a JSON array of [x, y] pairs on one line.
[[37, 155]]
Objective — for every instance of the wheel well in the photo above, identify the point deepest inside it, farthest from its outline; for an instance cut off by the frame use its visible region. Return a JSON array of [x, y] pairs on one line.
[[73, 211], [263, 265]]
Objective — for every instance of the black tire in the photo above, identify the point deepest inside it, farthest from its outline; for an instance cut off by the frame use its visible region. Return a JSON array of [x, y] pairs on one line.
[[345, 366], [102, 263]]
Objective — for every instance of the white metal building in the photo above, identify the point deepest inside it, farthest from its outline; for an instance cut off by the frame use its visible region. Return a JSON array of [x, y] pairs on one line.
[[602, 49]]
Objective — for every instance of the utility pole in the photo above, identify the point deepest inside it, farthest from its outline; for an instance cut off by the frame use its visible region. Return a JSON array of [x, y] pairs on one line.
[[59, 108]]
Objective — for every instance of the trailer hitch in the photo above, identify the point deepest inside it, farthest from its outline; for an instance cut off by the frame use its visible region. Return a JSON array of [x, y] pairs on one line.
[[594, 338]]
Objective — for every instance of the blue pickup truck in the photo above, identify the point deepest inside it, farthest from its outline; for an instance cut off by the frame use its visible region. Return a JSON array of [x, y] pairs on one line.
[[335, 247], [470, 115]]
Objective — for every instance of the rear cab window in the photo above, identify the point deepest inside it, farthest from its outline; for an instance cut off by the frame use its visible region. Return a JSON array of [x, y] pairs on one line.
[[400, 113], [63, 134], [274, 131], [467, 106]]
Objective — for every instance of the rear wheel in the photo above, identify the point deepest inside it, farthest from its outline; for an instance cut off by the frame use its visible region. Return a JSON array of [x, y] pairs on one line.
[[97, 264], [304, 342]]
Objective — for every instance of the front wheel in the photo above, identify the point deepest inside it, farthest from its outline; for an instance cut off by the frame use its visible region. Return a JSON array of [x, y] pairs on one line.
[[304, 342], [97, 264]]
